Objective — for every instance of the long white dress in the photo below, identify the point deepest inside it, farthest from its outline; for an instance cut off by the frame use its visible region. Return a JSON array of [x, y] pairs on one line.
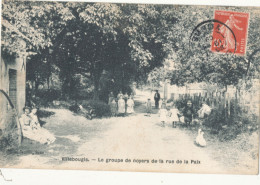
[[42, 133], [163, 115], [28, 129], [130, 106], [121, 106], [174, 114]]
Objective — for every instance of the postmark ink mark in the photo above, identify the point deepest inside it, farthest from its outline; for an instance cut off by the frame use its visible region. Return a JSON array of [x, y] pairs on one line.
[[207, 35]]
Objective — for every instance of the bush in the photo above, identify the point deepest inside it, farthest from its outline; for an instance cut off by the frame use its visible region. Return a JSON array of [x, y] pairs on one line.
[[101, 109], [215, 120], [44, 113], [227, 127], [45, 97], [230, 128], [180, 104], [229, 133]]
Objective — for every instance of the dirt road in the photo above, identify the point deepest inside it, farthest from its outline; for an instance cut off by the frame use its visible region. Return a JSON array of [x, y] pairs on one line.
[[137, 137]]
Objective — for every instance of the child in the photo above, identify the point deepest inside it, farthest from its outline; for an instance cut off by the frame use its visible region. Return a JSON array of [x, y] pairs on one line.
[[163, 103], [174, 115], [149, 107], [188, 113], [163, 114]]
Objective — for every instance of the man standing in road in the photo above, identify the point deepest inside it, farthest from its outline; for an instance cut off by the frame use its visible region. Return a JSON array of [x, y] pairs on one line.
[[157, 98]]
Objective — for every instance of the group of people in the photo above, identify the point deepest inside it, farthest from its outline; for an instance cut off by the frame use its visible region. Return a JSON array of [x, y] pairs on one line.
[[122, 104], [186, 115], [157, 98], [173, 114], [32, 129]]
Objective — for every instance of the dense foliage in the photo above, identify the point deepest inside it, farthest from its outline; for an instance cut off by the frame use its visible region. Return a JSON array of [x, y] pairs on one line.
[[113, 45]]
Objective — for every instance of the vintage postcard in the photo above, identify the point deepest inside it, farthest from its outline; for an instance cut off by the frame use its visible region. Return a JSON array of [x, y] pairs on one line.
[[129, 87]]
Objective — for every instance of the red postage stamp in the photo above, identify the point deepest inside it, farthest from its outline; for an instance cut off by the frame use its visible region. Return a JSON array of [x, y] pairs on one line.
[[230, 32]]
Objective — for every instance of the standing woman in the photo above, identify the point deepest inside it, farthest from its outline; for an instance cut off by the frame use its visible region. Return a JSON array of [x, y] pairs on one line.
[[119, 94], [125, 97], [130, 105], [110, 97], [113, 107], [121, 106]]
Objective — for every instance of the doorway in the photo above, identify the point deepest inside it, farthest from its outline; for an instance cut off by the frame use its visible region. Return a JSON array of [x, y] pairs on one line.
[[13, 86]]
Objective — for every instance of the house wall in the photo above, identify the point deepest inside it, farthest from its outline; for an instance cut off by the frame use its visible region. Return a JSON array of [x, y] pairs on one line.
[[18, 64], [189, 89], [3, 86]]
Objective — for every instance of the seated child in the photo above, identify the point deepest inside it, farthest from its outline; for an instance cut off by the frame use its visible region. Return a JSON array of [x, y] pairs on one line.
[[188, 113]]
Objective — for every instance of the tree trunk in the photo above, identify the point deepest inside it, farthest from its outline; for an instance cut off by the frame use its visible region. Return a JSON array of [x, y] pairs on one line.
[[96, 93], [48, 83], [96, 79], [36, 87], [96, 75]]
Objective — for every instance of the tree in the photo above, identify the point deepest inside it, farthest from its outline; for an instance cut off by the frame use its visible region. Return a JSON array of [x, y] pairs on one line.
[[34, 22], [116, 44], [203, 65], [104, 37], [37, 24]]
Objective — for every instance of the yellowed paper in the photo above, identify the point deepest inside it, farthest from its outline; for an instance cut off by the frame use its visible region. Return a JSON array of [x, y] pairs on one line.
[[129, 87]]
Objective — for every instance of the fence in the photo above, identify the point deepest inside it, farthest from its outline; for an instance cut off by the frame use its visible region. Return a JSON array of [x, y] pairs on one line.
[[229, 105]]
